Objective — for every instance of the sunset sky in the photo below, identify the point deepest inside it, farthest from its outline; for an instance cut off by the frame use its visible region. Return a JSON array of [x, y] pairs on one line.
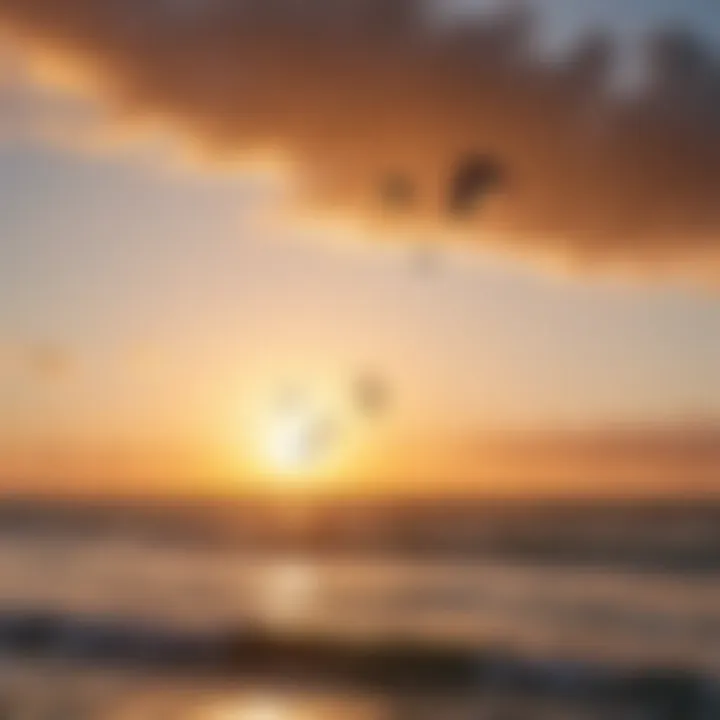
[[155, 304]]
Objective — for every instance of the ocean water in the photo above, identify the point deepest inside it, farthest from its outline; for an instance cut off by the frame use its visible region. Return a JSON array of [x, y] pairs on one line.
[[566, 618], [42, 691], [617, 615]]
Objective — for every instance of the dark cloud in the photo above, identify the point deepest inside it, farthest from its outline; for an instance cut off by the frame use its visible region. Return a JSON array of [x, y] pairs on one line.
[[356, 90]]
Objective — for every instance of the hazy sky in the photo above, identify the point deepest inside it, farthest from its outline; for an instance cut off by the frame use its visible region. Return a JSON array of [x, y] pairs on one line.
[[147, 304]]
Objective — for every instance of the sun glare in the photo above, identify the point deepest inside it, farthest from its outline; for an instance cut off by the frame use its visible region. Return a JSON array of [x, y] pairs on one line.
[[301, 436], [299, 443], [288, 443]]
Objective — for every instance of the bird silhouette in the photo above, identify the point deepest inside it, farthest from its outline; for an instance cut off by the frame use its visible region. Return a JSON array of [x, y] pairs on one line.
[[474, 177]]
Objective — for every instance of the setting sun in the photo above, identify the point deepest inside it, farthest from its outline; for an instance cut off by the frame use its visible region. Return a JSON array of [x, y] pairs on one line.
[[292, 443], [300, 441]]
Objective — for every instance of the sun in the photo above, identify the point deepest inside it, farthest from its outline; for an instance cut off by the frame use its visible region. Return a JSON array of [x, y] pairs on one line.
[[287, 442], [294, 436], [299, 442]]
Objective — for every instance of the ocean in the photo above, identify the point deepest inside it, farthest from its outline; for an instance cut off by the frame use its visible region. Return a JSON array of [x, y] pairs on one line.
[[125, 624]]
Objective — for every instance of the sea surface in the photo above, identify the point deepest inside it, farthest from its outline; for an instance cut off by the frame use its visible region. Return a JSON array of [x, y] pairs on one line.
[[569, 617]]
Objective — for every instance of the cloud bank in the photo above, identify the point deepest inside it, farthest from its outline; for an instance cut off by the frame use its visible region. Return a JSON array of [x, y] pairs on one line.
[[647, 459], [359, 91]]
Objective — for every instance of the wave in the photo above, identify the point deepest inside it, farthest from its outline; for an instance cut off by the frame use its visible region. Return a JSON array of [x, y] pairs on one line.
[[389, 663]]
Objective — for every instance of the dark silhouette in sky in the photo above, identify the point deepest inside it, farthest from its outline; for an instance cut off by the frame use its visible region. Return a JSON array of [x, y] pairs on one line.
[[473, 179]]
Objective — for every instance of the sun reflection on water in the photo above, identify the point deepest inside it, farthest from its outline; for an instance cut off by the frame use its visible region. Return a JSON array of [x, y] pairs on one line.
[[259, 708], [290, 592], [282, 706]]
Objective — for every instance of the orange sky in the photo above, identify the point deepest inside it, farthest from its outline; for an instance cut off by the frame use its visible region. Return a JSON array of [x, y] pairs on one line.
[[600, 462], [154, 312]]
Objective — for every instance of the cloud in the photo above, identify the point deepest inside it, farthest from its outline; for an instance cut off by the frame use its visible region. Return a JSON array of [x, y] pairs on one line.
[[360, 91], [33, 111], [680, 456]]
